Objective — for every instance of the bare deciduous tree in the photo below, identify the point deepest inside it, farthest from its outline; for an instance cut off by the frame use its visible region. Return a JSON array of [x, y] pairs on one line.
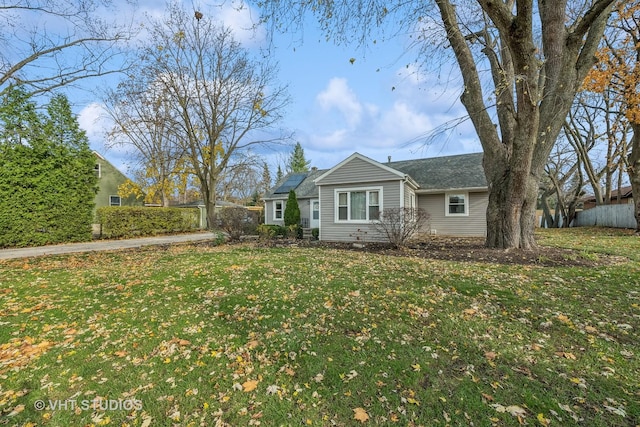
[[144, 119], [225, 100], [537, 54], [48, 44]]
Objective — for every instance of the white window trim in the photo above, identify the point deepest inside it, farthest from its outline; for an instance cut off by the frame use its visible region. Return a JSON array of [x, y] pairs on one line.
[[119, 198], [284, 203], [466, 203], [98, 169], [336, 193]]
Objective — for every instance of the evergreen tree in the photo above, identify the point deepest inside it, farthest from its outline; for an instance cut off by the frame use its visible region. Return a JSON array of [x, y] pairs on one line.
[[292, 210], [47, 182], [297, 162], [279, 174], [72, 171], [266, 179]]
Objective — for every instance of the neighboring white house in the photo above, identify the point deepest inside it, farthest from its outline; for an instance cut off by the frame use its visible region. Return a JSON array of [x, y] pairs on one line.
[[343, 201]]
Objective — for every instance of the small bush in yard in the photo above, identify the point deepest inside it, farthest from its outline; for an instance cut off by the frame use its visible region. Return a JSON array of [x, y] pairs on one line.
[[270, 231], [237, 221], [400, 224]]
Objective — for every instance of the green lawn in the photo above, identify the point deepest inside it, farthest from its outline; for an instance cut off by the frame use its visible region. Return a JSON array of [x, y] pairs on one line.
[[238, 335]]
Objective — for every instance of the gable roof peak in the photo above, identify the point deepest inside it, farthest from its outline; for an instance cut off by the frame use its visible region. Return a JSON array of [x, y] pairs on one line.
[[364, 158]]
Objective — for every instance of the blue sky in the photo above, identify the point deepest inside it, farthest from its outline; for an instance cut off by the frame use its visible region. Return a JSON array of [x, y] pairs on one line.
[[380, 105]]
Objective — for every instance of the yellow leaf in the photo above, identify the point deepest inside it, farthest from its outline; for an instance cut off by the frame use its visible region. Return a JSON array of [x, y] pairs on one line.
[[249, 385], [542, 420], [361, 415], [416, 367], [16, 410], [469, 312]]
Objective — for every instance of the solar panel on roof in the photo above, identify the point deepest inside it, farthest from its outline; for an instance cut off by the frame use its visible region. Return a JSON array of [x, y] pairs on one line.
[[291, 183]]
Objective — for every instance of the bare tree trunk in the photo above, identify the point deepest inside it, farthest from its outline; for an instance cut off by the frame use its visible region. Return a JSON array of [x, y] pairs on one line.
[[535, 97], [512, 207], [209, 195]]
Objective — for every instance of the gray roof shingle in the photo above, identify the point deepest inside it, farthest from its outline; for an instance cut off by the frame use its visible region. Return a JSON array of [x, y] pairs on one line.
[[435, 173], [443, 173]]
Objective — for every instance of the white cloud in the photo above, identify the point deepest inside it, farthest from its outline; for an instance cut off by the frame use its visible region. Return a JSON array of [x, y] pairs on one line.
[[342, 122], [339, 96], [240, 17], [92, 121]]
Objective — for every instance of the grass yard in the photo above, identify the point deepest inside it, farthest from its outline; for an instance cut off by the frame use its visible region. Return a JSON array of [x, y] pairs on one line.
[[241, 335]]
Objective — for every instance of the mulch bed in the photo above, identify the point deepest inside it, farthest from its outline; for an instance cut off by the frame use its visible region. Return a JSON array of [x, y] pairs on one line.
[[467, 249]]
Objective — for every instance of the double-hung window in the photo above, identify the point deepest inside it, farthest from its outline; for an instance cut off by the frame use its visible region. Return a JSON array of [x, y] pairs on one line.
[[358, 205], [457, 204], [115, 201], [278, 209]]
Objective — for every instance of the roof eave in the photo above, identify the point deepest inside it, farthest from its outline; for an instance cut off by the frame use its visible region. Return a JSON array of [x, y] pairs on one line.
[[449, 190]]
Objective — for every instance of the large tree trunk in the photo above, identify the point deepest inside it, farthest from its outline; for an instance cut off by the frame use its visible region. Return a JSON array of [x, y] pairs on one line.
[[512, 206], [533, 97]]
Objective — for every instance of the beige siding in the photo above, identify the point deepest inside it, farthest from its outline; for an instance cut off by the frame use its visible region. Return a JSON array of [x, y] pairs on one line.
[[303, 204], [407, 196], [358, 171], [473, 225], [350, 232], [268, 213]]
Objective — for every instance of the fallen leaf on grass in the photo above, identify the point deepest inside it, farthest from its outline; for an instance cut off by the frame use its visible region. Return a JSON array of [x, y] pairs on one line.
[[361, 415], [514, 410], [566, 355], [469, 311], [250, 385], [542, 420], [618, 411], [16, 410], [488, 397]]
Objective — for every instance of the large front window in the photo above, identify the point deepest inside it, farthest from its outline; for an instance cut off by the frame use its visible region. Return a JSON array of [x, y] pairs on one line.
[[358, 205]]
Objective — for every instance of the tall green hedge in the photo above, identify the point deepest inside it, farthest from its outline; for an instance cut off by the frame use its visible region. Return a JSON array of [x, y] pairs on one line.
[[133, 221], [47, 182]]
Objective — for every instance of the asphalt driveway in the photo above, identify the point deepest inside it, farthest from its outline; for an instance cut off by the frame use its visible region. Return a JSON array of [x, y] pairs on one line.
[[104, 245]]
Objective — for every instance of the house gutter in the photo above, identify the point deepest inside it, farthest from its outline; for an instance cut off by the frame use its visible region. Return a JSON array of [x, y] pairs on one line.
[[449, 190], [411, 181]]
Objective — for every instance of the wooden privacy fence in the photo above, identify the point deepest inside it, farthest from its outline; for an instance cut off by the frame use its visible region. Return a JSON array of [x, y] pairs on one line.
[[617, 216]]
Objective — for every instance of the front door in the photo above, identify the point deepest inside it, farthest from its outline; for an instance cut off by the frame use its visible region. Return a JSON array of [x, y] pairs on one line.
[[314, 216]]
